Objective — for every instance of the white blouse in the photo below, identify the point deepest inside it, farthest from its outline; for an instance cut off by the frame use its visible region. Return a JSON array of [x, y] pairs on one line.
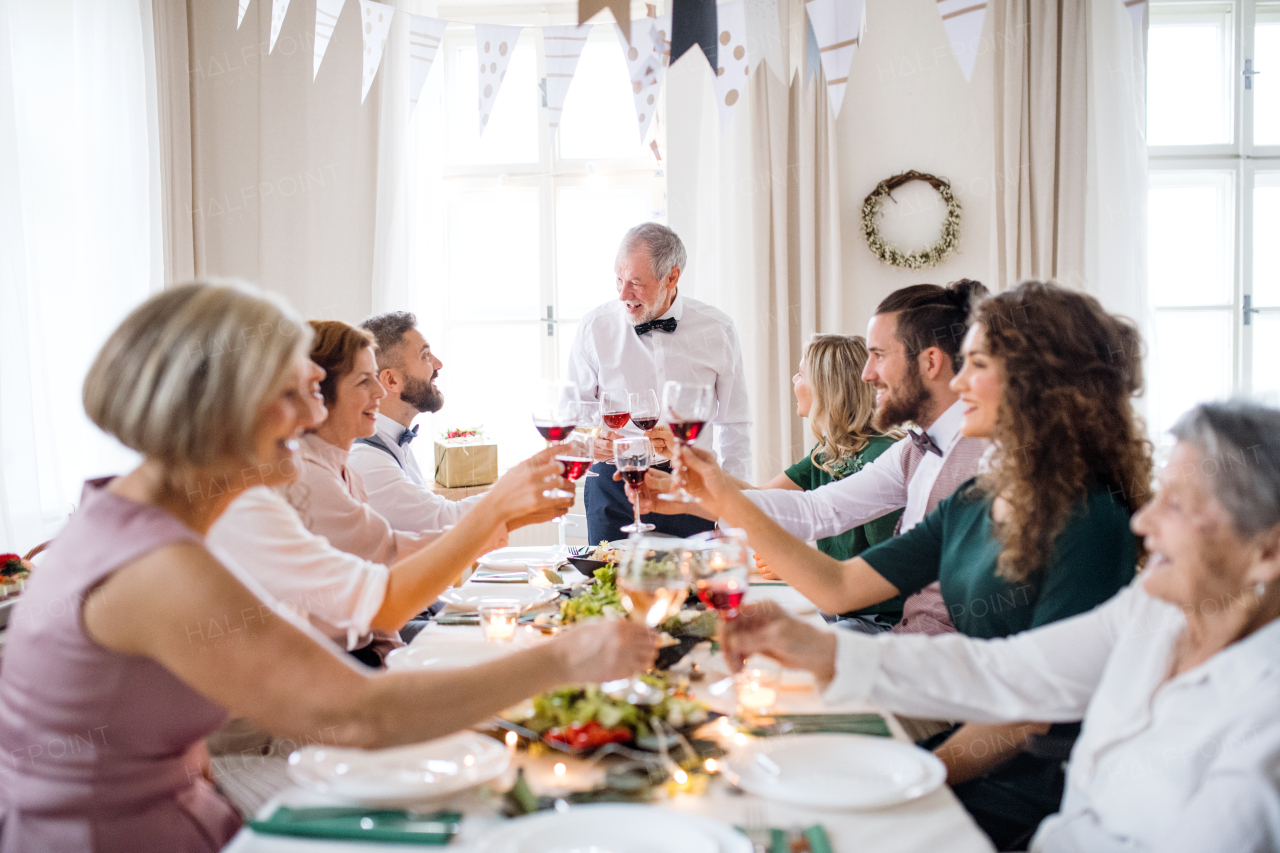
[[261, 535], [1189, 763]]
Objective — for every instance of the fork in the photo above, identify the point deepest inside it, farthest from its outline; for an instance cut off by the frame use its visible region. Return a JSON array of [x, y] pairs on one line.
[[757, 830]]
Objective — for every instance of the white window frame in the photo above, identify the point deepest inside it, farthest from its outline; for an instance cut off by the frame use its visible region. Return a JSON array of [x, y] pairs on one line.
[[1242, 159]]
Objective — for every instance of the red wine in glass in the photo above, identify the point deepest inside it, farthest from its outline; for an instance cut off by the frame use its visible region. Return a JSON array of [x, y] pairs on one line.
[[554, 432], [646, 424], [574, 466], [687, 431], [616, 420], [635, 478], [722, 594]]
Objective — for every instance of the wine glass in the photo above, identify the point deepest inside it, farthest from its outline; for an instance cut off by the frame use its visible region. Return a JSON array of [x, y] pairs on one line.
[[653, 581], [557, 410], [632, 456], [615, 409], [589, 423], [686, 408], [721, 573], [576, 455], [644, 409]]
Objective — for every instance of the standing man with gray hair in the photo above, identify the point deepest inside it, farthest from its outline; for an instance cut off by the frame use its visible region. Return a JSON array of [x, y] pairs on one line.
[[651, 334]]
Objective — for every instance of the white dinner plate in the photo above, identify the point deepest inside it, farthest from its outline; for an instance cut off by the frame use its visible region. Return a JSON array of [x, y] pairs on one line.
[[470, 596], [516, 558], [447, 655], [401, 774], [836, 771], [616, 829]]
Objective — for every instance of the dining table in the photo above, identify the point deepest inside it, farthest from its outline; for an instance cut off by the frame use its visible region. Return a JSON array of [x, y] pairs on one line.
[[933, 822]]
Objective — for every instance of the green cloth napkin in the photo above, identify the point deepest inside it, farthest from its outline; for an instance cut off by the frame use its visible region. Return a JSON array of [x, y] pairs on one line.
[[355, 824], [803, 724], [816, 835]]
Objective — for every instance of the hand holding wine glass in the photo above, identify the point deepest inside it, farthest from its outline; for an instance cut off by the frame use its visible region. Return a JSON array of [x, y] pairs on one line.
[[576, 455], [557, 410], [687, 409], [653, 581]]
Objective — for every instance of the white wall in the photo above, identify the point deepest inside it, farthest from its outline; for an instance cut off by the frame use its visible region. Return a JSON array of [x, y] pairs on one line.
[[907, 106]]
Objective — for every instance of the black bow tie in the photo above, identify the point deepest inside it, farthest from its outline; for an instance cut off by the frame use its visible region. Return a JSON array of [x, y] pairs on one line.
[[924, 442], [667, 325], [407, 436]]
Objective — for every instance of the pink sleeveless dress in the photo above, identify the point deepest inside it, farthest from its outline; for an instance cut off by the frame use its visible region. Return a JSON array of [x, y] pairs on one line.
[[100, 751]]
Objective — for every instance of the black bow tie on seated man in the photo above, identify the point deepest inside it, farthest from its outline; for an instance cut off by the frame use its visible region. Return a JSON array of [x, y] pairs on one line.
[[407, 436], [924, 442], [667, 325]]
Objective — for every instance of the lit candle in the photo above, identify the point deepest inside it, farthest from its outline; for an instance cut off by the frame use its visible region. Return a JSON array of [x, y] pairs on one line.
[[498, 621], [755, 697], [512, 740], [711, 765], [560, 769]]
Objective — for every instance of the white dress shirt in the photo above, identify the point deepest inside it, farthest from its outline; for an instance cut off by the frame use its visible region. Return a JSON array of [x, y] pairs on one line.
[[396, 488], [608, 355], [874, 491], [1182, 764], [261, 535]]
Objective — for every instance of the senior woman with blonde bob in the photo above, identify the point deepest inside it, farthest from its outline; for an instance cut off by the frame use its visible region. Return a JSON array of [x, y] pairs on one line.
[[134, 642], [1177, 677]]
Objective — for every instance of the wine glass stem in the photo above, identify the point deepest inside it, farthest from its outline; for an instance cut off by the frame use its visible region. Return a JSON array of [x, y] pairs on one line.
[[636, 506]]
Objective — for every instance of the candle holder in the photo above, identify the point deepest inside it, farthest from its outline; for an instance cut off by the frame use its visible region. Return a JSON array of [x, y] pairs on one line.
[[758, 691], [498, 620]]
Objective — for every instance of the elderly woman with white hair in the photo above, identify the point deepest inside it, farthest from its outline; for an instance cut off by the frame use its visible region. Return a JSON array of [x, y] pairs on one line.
[[133, 642], [1177, 677]]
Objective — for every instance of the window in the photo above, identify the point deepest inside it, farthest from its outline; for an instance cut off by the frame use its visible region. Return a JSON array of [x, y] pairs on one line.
[[1213, 131], [530, 225]]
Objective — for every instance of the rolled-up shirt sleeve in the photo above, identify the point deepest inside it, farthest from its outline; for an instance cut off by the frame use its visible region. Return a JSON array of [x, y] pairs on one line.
[[877, 490], [1049, 674], [340, 592]]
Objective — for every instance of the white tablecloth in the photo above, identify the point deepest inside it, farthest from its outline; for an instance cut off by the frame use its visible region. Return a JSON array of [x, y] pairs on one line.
[[935, 822]]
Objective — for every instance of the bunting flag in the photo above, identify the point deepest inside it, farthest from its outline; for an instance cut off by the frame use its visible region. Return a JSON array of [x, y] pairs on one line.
[[563, 46], [375, 22], [963, 22], [763, 35], [327, 12], [644, 65], [735, 64], [279, 8], [424, 40], [494, 46], [694, 22], [662, 37], [244, 7], [1138, 12], [621, 9], [837, 26]]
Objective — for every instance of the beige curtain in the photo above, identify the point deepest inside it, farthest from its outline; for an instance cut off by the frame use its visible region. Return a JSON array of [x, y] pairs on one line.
[[1041, 150], [757, 206]]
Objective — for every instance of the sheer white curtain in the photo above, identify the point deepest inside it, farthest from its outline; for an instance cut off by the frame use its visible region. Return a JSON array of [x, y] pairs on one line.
[[78, 247]]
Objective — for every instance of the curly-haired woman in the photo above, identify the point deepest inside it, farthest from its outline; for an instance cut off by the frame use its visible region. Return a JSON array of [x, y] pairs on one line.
[[1049, 377]]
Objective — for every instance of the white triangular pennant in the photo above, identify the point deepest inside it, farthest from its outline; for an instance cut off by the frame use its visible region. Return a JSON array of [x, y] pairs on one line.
[[424, 40], [494, 46], [962, 20], [279, 8], [644, 55], [375, 22], [1138, 13], [731, 57], [662, 37], [244, 7], [563, 47], [838, 26], [327, 12], [764, 36]]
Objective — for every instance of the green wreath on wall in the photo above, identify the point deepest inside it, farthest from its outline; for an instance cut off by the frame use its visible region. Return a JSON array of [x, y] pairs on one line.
[[891, 254]]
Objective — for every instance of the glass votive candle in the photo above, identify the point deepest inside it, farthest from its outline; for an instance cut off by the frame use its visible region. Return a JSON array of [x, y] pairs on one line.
[[537, 570], [498, 620], [759, 685]]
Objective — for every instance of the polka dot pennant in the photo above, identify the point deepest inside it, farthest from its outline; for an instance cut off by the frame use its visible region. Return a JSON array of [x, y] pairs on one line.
[[643, 55], [244, 7], [733, 64], [279, 8], [837, 26], [494, 47], [563, 45], [375, 22], [424, 41]]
